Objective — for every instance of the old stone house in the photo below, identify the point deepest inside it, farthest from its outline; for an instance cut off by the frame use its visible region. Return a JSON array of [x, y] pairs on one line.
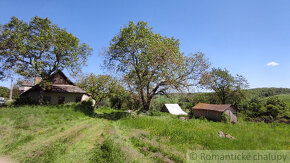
[[215, 111], [62, 90]]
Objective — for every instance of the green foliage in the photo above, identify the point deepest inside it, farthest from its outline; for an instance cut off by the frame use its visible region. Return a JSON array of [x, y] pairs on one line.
[[228, 88], [119, 97], [102, 87], [272, 110], [131, 101], [4, 92], [24, 101], [267, 92], [275, 100], [86, 107], [269, 109], [285, 98], [39, 48], [209, 98], [226, 118], [159, 101], [150, 63]]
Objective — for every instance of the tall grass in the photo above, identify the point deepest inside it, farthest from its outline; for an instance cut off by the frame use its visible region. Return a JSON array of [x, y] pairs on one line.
[[186, 135], [62, 134]]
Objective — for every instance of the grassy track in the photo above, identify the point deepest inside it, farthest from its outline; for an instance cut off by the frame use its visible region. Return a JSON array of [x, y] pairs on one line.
[[51, 134]]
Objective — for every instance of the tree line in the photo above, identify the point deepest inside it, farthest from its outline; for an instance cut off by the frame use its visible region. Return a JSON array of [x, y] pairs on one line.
[[147, 65]]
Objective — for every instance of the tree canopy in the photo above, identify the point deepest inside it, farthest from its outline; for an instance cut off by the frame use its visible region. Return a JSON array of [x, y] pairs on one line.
[[39, 48], [150, 63], [228, 88], [100, 87], [4, 92]]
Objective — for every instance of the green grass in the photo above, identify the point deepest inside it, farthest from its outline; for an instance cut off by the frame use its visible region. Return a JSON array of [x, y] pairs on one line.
[[60, 134]]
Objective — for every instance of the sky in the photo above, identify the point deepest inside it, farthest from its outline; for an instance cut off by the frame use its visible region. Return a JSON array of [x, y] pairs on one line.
[[247, 37]]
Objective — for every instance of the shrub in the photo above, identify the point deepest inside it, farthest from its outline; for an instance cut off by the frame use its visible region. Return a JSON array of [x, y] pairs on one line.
[[226, 118], [4, 92], [108, 151], [86, 107], [272, 110], [25, 101], [268, 110]]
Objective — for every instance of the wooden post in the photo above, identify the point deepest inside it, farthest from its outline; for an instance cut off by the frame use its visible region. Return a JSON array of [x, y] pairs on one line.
[[11, 90]]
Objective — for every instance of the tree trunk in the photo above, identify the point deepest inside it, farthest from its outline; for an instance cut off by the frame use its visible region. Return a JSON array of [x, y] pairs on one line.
[[224, 101], [146, 105]]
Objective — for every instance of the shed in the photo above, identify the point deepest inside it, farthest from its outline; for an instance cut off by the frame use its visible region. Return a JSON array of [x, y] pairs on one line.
[[174, 109], [215, 111]]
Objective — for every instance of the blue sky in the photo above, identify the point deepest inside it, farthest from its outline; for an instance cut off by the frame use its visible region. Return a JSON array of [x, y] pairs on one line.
[[240, 35]]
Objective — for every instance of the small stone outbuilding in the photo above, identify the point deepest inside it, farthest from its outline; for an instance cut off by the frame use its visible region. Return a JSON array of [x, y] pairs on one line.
[[215, 111]]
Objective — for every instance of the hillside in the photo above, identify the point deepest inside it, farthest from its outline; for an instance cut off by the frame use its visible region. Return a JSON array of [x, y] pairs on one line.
[[285, 98], [266, 92], [59, 134]]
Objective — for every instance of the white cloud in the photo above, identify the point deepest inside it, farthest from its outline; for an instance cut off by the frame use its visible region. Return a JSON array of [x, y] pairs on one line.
[[272, 64]]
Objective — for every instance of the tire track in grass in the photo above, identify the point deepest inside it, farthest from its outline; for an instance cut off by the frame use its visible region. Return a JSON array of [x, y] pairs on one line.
[[19, 137], [158, 153], [80, 149], [47, 149], [152, 148], [127, 147], [113, 146]]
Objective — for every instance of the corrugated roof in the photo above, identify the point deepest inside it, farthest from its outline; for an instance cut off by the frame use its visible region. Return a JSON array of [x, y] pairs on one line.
[[175, 109], [214, 107]]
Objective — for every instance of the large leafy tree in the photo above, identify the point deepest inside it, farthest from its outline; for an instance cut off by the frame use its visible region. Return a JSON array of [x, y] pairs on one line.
[[39, 48], [100, 87], [150, 63], [227, 88]]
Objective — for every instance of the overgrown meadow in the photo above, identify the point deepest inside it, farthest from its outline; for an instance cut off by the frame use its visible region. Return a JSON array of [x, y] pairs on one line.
[[64, 134]]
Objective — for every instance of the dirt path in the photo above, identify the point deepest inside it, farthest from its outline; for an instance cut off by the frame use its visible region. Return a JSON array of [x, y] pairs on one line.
[[5, 160]]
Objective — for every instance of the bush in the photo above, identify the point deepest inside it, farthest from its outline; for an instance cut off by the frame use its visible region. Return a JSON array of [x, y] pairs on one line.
[[268, 110], [86, 107], [226, 118], [25, 101], [108, 151], [272, 110], [4, 92]]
